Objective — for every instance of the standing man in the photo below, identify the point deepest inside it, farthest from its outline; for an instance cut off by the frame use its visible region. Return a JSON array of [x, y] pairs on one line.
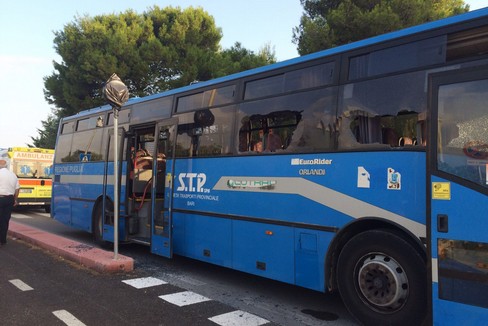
[[9, 191]]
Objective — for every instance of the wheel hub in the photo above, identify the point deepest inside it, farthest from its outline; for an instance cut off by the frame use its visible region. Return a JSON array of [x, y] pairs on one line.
[[383, 283]]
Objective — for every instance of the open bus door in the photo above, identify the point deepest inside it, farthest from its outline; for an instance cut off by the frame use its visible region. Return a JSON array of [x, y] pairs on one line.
[[162, 192], [458, 196]]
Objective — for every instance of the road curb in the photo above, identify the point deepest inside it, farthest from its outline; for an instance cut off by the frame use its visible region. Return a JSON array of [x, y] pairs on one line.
[[91, 257]]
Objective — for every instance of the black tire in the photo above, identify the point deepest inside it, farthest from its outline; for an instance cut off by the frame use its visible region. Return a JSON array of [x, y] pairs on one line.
[[47, 208], [382, 279], [98, 225]]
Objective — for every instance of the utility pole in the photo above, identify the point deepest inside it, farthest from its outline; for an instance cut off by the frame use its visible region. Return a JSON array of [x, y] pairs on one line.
[[116, 93]]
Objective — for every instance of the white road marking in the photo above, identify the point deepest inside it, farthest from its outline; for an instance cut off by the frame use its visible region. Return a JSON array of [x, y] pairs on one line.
[[21, 285], [184, 298], [68, 318], [144, 282], [20, 216], [238, 318]]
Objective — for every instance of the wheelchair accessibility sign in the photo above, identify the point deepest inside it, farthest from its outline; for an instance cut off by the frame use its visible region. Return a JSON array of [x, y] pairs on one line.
[[441, 190]]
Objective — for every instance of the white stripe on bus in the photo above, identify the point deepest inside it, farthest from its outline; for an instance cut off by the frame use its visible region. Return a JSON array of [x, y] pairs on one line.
[[435, 271], [87, 179], [325, 196]]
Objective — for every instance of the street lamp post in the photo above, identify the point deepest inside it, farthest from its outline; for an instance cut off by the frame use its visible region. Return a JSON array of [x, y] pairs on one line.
[[116, 93]]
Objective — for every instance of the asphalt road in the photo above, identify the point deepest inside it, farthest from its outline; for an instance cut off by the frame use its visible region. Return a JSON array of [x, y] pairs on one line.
[[228, 291], [38, 289]]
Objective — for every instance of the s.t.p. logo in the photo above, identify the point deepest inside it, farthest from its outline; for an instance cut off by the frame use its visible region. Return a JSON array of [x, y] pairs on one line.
[[192, 182]]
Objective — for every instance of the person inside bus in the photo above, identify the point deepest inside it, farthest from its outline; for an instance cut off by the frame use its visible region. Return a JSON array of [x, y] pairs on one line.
[[273, 141], [268, 143], [258, 146], [143, 159]]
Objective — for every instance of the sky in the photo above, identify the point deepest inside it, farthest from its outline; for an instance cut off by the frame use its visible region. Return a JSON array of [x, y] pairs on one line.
[[27, 32]]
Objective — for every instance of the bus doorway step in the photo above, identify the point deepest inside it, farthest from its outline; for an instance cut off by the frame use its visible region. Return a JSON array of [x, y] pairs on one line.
[[141, 240]]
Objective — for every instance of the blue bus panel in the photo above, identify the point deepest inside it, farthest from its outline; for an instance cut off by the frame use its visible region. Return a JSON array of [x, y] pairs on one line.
[[223, 208]]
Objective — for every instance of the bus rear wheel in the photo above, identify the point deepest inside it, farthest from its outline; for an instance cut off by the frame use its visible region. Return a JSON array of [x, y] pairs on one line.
[[382, 279]]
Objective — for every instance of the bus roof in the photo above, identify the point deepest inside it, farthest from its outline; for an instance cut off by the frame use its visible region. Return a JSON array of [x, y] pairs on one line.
[[472, 15]]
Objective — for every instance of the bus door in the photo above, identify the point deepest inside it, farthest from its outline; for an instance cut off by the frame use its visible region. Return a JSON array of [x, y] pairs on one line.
[[162, 192], [458, 196]]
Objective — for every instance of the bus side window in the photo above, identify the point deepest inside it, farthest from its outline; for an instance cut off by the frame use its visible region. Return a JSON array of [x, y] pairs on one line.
[[384, 112], [268, 133], [359, 129], [206, 133], [462, 134]]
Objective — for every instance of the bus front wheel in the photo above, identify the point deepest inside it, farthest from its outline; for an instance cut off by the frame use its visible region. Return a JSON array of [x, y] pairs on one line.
[[382, 279]]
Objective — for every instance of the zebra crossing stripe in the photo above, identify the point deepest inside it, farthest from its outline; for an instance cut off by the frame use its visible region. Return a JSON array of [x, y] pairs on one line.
[[184, 298], [67, 318], [144, 282], [238, 318], [21, 285]]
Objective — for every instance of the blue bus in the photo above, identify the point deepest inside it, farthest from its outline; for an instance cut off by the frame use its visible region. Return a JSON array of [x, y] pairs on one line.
[[360, 169]]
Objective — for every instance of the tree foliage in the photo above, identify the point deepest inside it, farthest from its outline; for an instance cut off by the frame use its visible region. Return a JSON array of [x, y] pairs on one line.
[[160, 49], [329, 23], [47, 135], [238, 59]]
